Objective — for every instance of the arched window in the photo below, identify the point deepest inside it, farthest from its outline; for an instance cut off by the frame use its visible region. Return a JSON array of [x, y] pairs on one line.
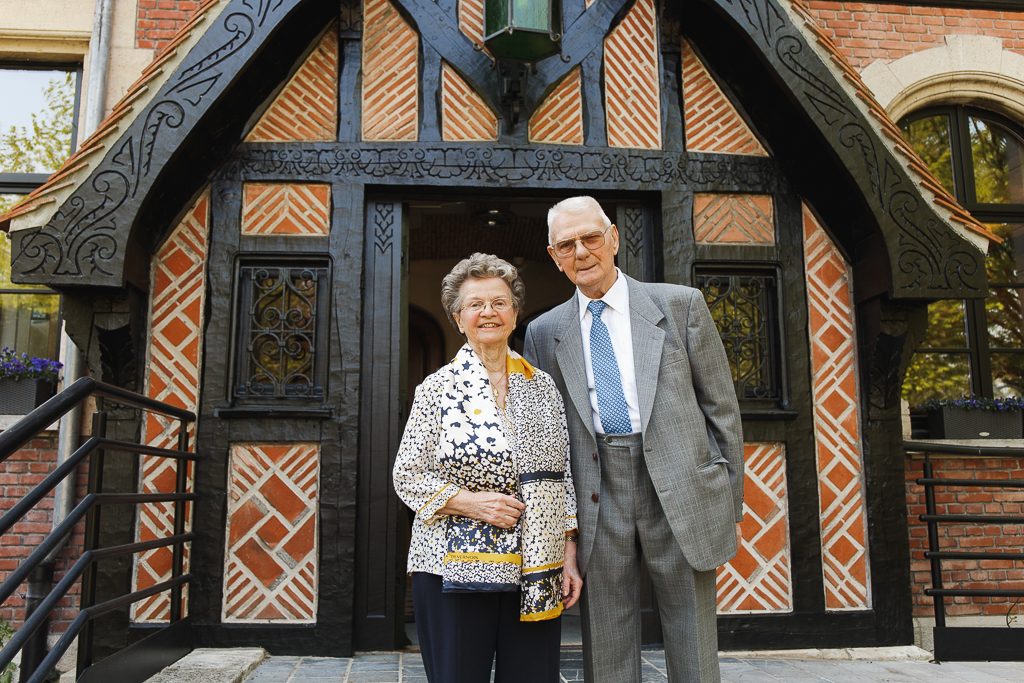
[[975, 346]]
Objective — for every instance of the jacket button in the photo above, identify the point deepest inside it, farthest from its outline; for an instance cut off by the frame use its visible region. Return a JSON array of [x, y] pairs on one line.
[[593, 497], [594, 455]]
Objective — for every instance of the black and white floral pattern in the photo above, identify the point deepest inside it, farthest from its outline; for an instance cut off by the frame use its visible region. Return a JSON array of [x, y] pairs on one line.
[[457, 437]]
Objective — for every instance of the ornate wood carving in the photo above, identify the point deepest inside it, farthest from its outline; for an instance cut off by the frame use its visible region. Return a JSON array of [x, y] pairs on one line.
[[378, 577], [85, 241], [928, 258], [497, 165]]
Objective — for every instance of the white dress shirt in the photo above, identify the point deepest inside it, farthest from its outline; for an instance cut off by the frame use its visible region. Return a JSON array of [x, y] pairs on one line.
[[616, 319]]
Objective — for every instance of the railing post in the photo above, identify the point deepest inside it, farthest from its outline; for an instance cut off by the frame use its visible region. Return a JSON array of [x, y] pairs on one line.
[[40, 582], [92, 537], [938, 601], [181, 469]]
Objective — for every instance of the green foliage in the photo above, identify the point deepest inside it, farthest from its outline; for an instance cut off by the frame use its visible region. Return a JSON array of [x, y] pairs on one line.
[[7, 676], [43, 146], [930, 139]]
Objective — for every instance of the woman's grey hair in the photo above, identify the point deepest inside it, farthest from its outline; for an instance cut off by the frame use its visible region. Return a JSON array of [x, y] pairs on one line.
[[575, 205], [477, 267]]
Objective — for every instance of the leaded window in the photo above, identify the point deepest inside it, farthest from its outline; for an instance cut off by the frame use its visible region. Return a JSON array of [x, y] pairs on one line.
[[975, 345], [282, 332], [744, 305]]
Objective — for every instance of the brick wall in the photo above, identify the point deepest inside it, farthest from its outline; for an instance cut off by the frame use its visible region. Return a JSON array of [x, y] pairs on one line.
[[970, 500], [18, 475], [865, 32], [159, 20]]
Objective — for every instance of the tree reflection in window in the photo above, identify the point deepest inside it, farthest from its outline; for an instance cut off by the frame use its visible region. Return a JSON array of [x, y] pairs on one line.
[[929, 136], [975, 346], [1004, 310], [280, 349], [742, 306]]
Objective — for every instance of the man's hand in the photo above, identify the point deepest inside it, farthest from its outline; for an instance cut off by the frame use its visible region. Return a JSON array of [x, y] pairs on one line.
[[572, 582], [739, 534], [494, 508]]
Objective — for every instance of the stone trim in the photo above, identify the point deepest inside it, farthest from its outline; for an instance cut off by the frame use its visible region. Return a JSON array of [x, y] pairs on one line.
[[967, 70]]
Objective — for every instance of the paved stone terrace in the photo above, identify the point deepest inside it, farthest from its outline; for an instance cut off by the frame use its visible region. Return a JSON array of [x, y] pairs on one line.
[[401, 667]]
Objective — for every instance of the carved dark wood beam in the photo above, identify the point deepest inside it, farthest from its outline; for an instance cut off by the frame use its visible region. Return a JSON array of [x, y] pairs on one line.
[[582, 38], [928, 258], [168, 152], [440, 28]]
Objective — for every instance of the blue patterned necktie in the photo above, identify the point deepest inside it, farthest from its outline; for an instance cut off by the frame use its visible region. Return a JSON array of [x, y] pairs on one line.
[[611, 401]]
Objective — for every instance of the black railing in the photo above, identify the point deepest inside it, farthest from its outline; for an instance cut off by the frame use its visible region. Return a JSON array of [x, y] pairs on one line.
[[972, 643], [32, 669]]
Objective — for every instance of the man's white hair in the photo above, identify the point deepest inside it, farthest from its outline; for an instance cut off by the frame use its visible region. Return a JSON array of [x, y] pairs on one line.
[[575, 206]]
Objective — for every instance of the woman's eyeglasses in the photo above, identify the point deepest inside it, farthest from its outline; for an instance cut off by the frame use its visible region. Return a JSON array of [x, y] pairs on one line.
[[591, 240], [497, 305]]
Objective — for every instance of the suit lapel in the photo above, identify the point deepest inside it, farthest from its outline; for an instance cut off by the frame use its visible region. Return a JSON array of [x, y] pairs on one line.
[[569, 355], [648, 340]]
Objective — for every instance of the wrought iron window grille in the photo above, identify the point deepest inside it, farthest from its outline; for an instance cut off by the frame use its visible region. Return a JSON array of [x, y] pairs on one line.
[[281, 333], [744, 303]]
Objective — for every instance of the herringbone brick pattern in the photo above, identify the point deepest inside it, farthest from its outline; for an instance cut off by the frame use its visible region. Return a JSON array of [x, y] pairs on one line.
[[464, 116], [758, 579], [559, 118], [286, 209], [632, 91], [712, 123], [733, 218], [390, 74], [270, 567], [175, 353], [471, 20], [307, 108], [836, 420]]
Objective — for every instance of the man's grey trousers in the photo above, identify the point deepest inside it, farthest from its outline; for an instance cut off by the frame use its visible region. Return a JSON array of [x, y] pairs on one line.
[[631, 522]]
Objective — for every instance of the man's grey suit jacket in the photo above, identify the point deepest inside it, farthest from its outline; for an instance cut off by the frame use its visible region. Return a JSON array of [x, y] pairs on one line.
[[693, 441]]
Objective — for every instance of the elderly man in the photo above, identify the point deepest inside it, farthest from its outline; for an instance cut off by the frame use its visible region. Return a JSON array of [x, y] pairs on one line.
[[657, 449]]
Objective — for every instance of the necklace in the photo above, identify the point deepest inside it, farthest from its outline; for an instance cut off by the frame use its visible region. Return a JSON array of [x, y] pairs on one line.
[[498, 402]]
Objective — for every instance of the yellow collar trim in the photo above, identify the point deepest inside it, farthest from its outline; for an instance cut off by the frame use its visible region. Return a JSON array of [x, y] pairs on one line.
[[519, 365]]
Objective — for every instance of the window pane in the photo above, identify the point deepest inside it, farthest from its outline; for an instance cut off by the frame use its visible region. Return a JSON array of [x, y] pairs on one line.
[[1007, 374], [997, 157], [946, 325], [930, 138], [284, 309], [742, 306], [936, 375], [5, 267], [35, 125], [1005, 309], [29, 323]]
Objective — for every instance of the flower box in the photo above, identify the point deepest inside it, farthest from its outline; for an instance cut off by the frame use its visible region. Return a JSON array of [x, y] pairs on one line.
[[955, 422], [22, 396]]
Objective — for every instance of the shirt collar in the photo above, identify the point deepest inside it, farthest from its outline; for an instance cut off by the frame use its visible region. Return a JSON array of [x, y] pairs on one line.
[[617, 297]]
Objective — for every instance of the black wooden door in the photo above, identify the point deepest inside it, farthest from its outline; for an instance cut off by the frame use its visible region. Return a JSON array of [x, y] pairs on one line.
[[380, 527], [635, 222]]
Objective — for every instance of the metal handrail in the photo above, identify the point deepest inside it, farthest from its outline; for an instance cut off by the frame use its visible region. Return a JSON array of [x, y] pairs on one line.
[[52, 480], [69, 579], [26, 429], [929, 481], [12, 440], [89, 613]]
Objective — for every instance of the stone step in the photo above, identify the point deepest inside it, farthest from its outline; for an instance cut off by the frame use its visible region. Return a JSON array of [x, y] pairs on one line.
[[209, 665]]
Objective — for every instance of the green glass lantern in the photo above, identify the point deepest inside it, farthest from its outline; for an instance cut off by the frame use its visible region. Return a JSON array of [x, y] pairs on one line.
[[523, 30]]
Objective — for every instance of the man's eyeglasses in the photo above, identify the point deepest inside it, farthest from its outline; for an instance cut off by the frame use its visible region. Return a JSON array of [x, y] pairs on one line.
[[497, 305], [591, 240]]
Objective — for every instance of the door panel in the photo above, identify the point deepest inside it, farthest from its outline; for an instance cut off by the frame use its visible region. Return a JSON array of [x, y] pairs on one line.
[[380, 585]]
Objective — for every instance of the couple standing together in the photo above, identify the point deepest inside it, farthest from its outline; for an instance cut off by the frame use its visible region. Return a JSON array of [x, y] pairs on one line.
[[525, 505]]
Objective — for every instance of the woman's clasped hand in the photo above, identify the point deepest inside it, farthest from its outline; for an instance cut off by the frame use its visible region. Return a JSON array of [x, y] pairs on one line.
[[484, 463]]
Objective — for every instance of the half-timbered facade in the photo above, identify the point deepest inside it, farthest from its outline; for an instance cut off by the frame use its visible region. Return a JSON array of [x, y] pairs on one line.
[[257, 232]]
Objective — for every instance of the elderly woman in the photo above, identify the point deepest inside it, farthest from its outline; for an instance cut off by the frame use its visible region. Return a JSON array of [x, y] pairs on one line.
[[484, 462]]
